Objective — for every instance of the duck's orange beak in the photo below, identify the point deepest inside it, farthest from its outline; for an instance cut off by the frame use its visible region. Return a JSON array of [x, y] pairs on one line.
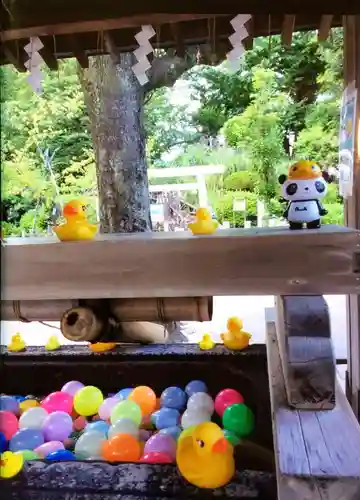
[[220, 446], [69, 210]]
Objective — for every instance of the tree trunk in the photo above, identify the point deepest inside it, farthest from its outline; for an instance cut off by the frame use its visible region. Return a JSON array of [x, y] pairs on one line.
[[115, 102]]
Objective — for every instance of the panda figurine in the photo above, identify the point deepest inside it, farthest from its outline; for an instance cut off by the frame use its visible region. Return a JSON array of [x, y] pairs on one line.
[[302, 188]]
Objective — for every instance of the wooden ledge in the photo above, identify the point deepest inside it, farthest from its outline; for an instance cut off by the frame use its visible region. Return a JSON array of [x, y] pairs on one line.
[[317, 452], [256, 261]]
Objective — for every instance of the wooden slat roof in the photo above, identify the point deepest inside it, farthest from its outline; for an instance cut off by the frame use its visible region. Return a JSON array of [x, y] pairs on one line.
[[71, 28]]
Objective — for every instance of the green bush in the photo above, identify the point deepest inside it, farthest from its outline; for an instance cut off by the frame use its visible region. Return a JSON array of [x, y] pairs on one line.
[[224, 208], [241, 181], [332, 195], [335, 214]]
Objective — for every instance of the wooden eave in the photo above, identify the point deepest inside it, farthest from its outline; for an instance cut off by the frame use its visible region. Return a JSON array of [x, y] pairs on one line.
[[80, 33]]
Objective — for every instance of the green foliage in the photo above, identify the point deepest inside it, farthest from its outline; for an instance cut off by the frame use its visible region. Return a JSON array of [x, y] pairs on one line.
[[335, 214], [258, 131], [224, 208], [241, 181]]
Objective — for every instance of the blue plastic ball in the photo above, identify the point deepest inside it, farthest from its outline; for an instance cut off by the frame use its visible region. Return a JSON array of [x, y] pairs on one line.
[[172, 431], [123, 394], [154, 416], [173, 397], [3, 443], [99, 425], [195, 386], [61, 456], [9, 403], [19, 399], [167, 417], [26, 439]]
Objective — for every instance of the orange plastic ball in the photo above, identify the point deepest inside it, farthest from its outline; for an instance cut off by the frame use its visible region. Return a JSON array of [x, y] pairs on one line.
[[144, 397], [122, 448]]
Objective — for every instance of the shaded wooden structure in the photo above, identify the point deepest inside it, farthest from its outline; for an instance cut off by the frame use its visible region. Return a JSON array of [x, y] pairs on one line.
[[308, 407]]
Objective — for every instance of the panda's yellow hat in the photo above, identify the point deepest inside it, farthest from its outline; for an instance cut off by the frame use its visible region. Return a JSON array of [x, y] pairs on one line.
[[304, 169]]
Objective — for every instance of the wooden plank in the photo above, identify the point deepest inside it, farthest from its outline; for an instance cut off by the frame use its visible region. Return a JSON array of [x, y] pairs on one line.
[[254, 261], [97, 25], [304, 337], [314, 461], [352, 209], [325, 27], [288, 29]]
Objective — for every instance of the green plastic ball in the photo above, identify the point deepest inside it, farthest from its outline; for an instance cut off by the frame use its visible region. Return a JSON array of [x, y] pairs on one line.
[[28, 455], [239, 419], [233, 439]]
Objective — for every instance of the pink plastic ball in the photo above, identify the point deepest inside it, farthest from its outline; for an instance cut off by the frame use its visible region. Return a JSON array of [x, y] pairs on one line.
[[106, 408], [72, 387], [58, 401], [161, 443], [9, 424], [225, 398], [46, 448], [80, 423]]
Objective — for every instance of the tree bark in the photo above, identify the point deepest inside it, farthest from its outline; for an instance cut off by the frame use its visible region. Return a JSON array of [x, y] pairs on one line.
[[115, 102]]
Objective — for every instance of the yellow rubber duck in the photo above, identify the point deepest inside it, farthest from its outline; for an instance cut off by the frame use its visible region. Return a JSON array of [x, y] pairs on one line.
[[76, 227], [53, 343], [17, 343], [102, 346], [206, 343], [203, 224], [235, 338], [205, 457], [10, 464]]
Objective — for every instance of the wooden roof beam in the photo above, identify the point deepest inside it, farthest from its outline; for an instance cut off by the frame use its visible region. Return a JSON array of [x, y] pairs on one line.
[[179, 42], [79, 53], [325, 27], [288, 29], [97, 25]]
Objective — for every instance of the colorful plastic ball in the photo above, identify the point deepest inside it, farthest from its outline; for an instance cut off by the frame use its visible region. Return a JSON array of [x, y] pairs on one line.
[[163, 443], [192, 418], [106, 407], [11, 464], [88, 400], [239, 419], [156, 457], [45, 449], [33, 418], [144, 435], [154, 416], [201, 402], [19, 399], [233, 439], [9, 403], [126, 409], [26, 439], [174, 432], [195, 386], [99, 426], [27, 404], [58, 401], [167, 417], [124, 393], [61, 456], [144, 397], [225, 398], [72, 387], [8, 424], [122, 448], [57, 426], [173, 397], [80, 423], [90, 444], [3, 443], [28, 455], [124, 426]]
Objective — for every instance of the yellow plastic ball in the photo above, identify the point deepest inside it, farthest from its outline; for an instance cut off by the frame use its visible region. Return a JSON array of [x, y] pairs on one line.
[[87, 401], [27, 404], [10, 464]]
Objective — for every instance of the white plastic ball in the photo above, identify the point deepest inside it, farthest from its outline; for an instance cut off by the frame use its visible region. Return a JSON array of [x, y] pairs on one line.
[[90, 444], [124, 426], [33, 418], [201, 402], [190, 418]]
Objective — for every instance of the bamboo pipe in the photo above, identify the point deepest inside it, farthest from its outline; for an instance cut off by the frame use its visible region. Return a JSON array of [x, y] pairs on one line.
[[163, 310], [80, 324]]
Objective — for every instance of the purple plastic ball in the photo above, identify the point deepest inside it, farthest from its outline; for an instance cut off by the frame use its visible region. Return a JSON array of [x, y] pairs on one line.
[[9, 403], [57, 426], [72, 387], [26, 439], [162, 443]]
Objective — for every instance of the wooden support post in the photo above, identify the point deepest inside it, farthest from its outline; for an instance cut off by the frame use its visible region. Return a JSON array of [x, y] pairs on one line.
[[316, 452], [352, 210], [111, 47], [325, 27], [79, 53], [304, 337], [288, 29], [15, 54], [49, 57]]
